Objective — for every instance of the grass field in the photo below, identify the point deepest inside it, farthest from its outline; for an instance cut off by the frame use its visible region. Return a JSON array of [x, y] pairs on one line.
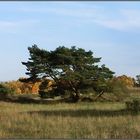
[[80, 120]]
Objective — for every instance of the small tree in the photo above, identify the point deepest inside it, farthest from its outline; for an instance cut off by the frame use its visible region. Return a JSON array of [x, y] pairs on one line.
[[72, 69]]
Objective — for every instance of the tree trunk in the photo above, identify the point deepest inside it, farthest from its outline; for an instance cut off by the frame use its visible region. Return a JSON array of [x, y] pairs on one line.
[[75, 92], [101, 93], [75, 96]]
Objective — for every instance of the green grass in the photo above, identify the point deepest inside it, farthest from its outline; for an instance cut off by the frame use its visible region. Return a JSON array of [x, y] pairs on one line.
[[80, 120]]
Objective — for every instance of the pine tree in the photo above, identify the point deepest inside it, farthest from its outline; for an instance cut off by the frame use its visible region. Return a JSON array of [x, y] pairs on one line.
[[72, 69]]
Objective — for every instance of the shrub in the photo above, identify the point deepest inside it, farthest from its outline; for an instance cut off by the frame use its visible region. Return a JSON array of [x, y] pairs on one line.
[[133, 105], [5, 91], [44, 94], [119, 89]]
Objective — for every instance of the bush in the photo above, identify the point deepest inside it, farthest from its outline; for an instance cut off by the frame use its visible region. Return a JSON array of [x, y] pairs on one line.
[[5, 91], [43, 94], [119, 89], [133, 105]]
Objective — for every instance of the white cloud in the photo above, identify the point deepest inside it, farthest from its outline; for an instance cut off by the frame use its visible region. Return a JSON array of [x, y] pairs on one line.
[[14, 26], [114, 24], [132, 16], [123, 20], [6, 24], [126, 20], [73, 12], [91, 13]]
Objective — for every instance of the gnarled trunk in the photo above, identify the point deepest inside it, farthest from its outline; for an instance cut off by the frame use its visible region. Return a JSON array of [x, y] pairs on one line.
[[75, 96]]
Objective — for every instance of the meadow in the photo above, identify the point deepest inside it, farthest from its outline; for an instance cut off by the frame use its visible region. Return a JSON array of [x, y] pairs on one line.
[[68, 120]]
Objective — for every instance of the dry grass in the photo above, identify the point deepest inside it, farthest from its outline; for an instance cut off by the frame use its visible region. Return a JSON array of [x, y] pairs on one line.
[[81, 120]]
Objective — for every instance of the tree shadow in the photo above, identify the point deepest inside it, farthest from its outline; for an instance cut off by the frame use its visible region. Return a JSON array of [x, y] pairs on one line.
[[27, 100], [83, 113], [69, 112]]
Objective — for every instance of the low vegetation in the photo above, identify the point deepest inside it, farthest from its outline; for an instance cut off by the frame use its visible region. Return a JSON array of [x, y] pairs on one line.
[[78, 120]]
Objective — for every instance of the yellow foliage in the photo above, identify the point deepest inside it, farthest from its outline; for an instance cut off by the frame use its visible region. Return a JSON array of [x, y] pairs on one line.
[[128, 81], [22, 87]]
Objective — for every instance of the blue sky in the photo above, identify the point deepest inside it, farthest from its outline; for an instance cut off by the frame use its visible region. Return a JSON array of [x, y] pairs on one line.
[[110, 29]]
